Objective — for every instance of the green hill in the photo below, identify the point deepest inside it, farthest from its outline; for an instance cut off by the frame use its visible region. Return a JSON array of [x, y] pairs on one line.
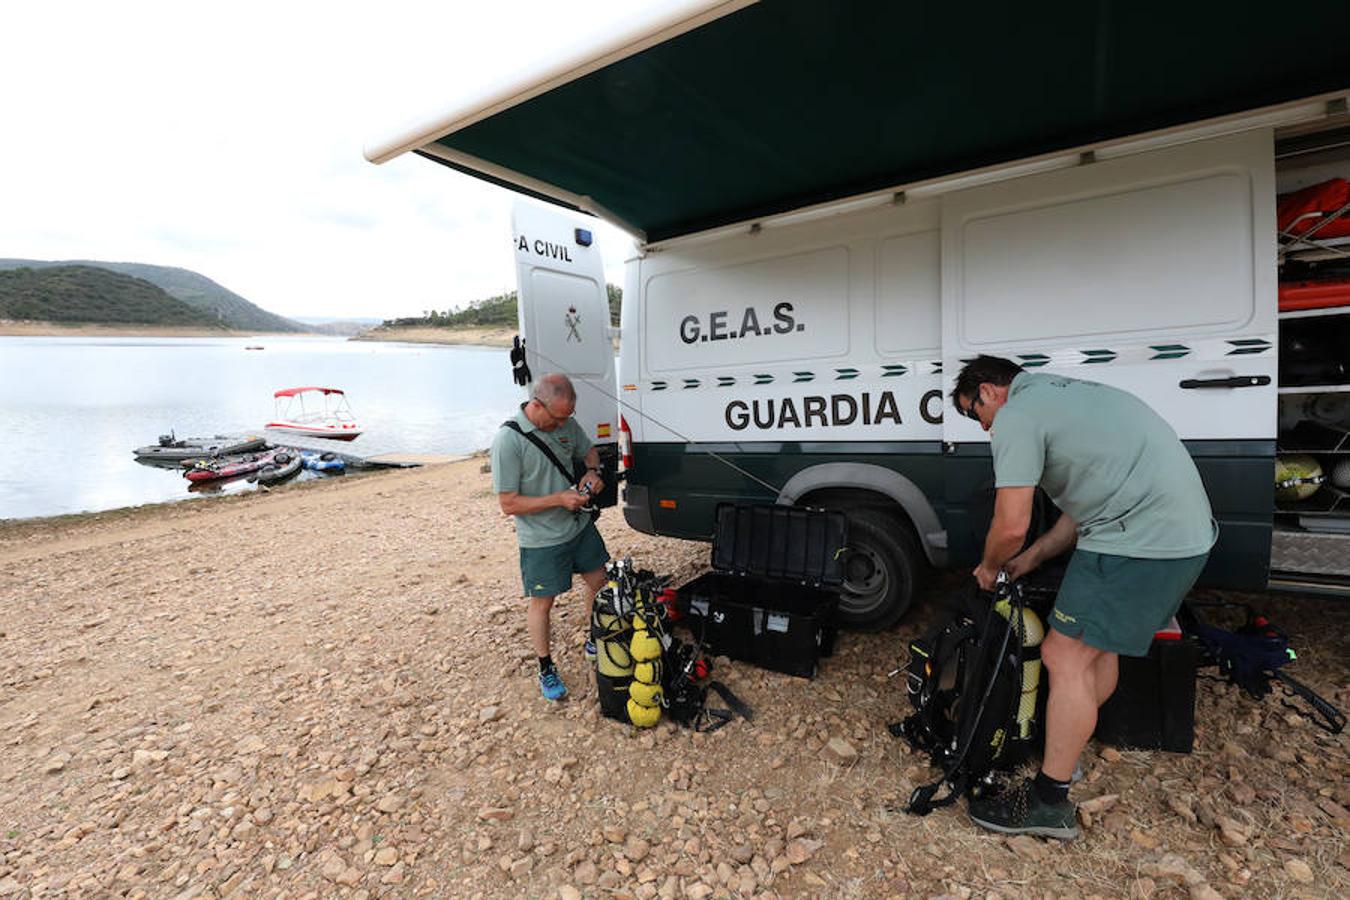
[[221, 305], [85, 294], [499, 311]]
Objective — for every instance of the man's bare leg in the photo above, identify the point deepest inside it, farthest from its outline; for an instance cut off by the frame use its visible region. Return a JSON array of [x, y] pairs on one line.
[[1107, 673], [536, 618], [1071, 711], [594, 582]]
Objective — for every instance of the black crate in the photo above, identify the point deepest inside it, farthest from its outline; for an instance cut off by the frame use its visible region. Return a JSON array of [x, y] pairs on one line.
[[783, 627], [780, 543], [1153, 707]]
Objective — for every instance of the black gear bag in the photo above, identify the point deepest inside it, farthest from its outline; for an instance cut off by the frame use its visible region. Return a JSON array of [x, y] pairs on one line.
[[975, 684]]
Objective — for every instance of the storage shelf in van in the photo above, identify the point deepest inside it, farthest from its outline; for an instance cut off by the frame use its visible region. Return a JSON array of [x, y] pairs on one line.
[[1314, 313], [1313, 437], [1327, 500], [1317, 389]]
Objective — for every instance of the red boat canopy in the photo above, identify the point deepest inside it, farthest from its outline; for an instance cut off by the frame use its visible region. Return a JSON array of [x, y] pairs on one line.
[[291, 392]]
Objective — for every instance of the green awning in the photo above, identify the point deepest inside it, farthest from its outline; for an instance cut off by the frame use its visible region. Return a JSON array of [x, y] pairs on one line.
[[788, 103]]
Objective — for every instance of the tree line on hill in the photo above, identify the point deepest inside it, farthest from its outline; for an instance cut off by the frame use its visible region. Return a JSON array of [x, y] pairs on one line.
[[220, 307], [88, 295], [499, 311]]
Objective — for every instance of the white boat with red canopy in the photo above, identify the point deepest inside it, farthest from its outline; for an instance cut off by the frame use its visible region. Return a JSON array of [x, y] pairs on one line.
[[320, 412]]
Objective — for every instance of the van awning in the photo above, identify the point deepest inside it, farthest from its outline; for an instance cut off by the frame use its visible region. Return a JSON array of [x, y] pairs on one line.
[[783, 104]]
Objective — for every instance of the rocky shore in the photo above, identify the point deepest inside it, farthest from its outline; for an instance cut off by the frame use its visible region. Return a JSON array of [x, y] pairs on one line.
[[326, 691], [482, 337]]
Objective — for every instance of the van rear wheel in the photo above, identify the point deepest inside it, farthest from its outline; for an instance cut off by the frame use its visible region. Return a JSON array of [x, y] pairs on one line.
[[881, 570]]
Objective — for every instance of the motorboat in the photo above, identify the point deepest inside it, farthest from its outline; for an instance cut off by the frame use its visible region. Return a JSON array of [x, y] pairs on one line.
[[175, 449], [229, 467], [316, 412]]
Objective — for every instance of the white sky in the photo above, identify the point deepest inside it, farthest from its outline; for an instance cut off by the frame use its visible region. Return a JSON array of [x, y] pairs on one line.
[[227, 138]]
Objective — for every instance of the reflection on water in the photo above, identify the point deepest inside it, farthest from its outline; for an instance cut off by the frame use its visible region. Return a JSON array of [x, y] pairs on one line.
[[73, 409]]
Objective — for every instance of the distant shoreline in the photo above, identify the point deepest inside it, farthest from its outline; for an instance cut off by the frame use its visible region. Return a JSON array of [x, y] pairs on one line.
[[11, 328], [480, 337]]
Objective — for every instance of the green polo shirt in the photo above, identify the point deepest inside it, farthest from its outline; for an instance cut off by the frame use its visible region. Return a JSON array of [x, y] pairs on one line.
[[1107, 460], [520, 467]]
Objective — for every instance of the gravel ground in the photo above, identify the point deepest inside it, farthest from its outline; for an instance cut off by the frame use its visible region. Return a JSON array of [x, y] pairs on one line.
[[326, 691]]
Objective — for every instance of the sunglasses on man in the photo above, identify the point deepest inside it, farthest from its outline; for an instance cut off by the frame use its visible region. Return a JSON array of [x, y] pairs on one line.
[[969, 411]]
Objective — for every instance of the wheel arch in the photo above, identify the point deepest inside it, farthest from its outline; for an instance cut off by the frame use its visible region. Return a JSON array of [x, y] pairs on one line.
[[830, 483]]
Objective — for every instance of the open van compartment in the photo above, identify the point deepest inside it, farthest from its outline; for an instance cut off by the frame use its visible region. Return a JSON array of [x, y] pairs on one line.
[[1312, 508]]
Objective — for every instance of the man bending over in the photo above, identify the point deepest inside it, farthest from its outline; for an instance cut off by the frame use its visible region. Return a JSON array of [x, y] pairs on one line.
[[1138, 517]]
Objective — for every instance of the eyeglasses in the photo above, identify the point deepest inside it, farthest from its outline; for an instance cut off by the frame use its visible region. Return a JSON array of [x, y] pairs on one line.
[[557, 420], [969, 411]]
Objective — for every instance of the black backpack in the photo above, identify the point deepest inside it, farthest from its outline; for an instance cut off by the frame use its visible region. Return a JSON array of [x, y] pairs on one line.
[[965, 681]]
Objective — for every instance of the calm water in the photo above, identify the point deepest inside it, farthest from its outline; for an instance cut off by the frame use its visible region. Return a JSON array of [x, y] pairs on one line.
[[73, 409]]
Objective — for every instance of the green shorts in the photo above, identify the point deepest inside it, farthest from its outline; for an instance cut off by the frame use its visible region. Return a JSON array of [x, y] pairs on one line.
[[1117, 603], [547, 571]]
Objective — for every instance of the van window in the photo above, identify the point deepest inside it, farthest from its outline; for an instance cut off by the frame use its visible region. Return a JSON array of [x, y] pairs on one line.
[[787, 308], [1160, 258], [909, 295]]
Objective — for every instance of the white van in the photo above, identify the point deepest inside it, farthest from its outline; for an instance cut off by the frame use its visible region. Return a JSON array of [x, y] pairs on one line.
[[791, 335]]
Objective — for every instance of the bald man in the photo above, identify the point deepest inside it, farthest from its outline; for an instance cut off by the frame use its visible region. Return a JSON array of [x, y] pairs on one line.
[[557, 538]]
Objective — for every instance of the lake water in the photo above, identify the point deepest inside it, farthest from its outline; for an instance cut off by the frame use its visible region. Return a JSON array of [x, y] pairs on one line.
[[72, 408]]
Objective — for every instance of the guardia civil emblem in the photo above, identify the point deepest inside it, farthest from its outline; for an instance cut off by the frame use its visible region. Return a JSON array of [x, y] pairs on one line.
[[572, 320]]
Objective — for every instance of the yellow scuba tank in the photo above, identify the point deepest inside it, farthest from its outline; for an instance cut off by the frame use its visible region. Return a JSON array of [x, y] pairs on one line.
[[643, 716], [609, 631], [644, 646], [649, 671], [1032, 633], [644, 693]]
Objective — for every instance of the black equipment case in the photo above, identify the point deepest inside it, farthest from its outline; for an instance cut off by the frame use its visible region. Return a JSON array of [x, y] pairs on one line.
[[1153, 707], [772, 596]]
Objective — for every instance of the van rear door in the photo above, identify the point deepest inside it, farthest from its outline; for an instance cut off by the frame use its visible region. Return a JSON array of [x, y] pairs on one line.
[[1153, 272], [564, 318]]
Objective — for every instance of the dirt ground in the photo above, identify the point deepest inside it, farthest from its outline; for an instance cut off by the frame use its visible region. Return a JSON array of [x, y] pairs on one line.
[[326, 691]]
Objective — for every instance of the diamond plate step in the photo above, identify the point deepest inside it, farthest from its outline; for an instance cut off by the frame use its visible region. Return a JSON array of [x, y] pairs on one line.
[[1310, 553]]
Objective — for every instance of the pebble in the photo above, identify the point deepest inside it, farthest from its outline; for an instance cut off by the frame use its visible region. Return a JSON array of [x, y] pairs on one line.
[[1299, 871], [840, 751], [55, 763], [636, 849], [800, 850]]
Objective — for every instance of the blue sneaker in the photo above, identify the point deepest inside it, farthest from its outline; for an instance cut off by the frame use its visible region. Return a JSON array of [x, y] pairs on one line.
[[551, 685], [589, 650]]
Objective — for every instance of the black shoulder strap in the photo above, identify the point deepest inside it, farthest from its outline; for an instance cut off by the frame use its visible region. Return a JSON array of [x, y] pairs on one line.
[[534, 439]]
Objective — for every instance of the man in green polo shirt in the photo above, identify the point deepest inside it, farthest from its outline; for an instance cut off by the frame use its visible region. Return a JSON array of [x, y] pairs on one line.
[[557, 537], [1138, 519]]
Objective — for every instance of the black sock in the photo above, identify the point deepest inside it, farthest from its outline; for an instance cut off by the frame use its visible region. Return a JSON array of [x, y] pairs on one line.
[[1049, 790], [545, 663]]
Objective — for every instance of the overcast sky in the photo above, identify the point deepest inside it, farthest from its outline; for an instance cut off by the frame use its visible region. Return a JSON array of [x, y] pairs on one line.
[[227, 138]]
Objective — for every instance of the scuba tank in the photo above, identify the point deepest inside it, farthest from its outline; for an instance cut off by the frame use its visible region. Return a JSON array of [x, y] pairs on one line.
[[644, 691], [613, 663], [609, 631], [1032, 632]]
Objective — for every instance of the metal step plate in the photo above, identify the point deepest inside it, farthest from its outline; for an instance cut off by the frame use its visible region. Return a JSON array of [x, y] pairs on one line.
[[1310, 553]]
